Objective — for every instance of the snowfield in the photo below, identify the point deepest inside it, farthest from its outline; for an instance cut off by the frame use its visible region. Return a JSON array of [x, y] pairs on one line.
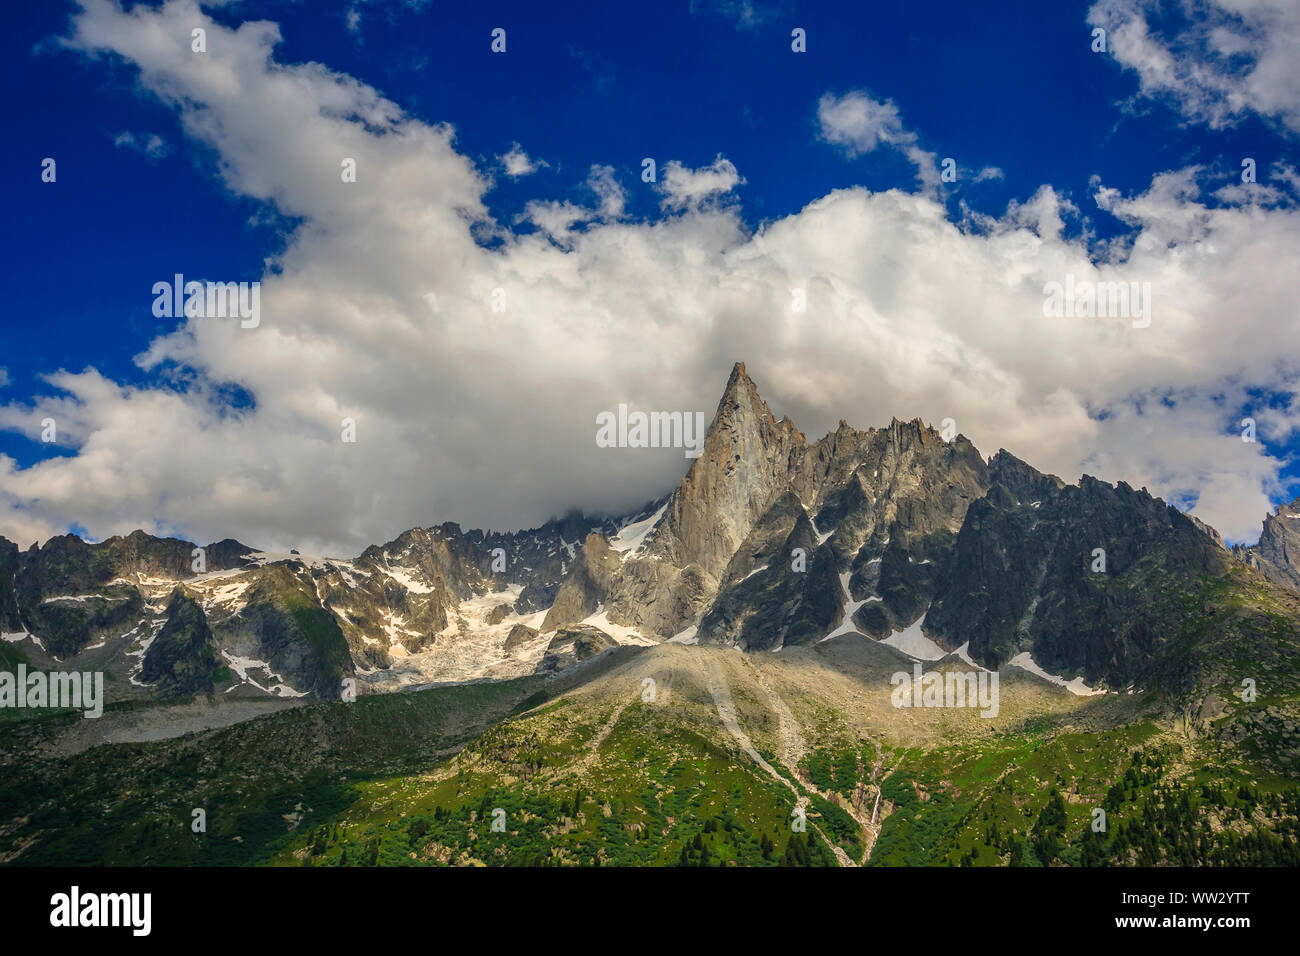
[[632, 537], [913, 643], [1077, 687]]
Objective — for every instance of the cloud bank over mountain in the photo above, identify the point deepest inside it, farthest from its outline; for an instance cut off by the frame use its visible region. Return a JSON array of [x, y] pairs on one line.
[[381, 310]]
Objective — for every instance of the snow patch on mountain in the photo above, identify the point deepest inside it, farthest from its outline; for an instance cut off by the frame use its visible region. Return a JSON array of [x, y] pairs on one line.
[[850, 608], [242, 665], [403, 578], [913, 643], [632, 536], [686, 636], [468, 648], [140, 646], [263, 558], [963, 654], [820, 537], [619, 632], [1025, 662]]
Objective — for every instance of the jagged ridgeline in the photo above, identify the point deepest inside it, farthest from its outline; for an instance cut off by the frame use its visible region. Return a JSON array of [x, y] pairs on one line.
[[675, 686], [770, 541]]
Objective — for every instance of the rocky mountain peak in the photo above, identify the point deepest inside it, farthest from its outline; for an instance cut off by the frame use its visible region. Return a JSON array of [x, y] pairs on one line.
[[741, 402], [1277, 554], [769, 541], [745, 460]]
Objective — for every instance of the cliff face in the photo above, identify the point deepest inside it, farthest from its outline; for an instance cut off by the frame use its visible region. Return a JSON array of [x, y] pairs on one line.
[[182, 659], [768, 541], [745, 463], [1277, 554], [773, 541], [1089, 578]]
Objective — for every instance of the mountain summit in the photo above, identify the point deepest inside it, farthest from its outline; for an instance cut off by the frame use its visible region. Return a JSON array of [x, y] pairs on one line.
[[583, 677], [897, 535], [891, 535]]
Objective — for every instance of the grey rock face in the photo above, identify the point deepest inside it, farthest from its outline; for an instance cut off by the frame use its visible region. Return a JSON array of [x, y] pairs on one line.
[[586, 585], [182, 658], [71, 593], [784, 542], [572, 645], [10, 619], [744, 465], [1277, 554], [768, 541], [1026, 575], [520, 635], [872, 512], [285, 625], [789, 596]]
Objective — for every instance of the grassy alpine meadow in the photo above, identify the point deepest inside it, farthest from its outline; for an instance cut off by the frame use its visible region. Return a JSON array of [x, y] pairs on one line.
[[587, 772]]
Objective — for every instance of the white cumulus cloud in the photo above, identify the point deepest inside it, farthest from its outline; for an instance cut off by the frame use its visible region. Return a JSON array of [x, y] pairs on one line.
[[517, 163], [1215, 61], [859, 123], [474, 357], [683, 187]]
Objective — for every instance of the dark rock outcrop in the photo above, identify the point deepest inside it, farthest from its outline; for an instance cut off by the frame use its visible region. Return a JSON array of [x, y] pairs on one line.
[[572, 645], [1092, 579], [182, 659], [520, 635]]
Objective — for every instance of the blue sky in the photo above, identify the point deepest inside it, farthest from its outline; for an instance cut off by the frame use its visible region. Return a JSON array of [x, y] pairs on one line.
[[1015, 91]]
